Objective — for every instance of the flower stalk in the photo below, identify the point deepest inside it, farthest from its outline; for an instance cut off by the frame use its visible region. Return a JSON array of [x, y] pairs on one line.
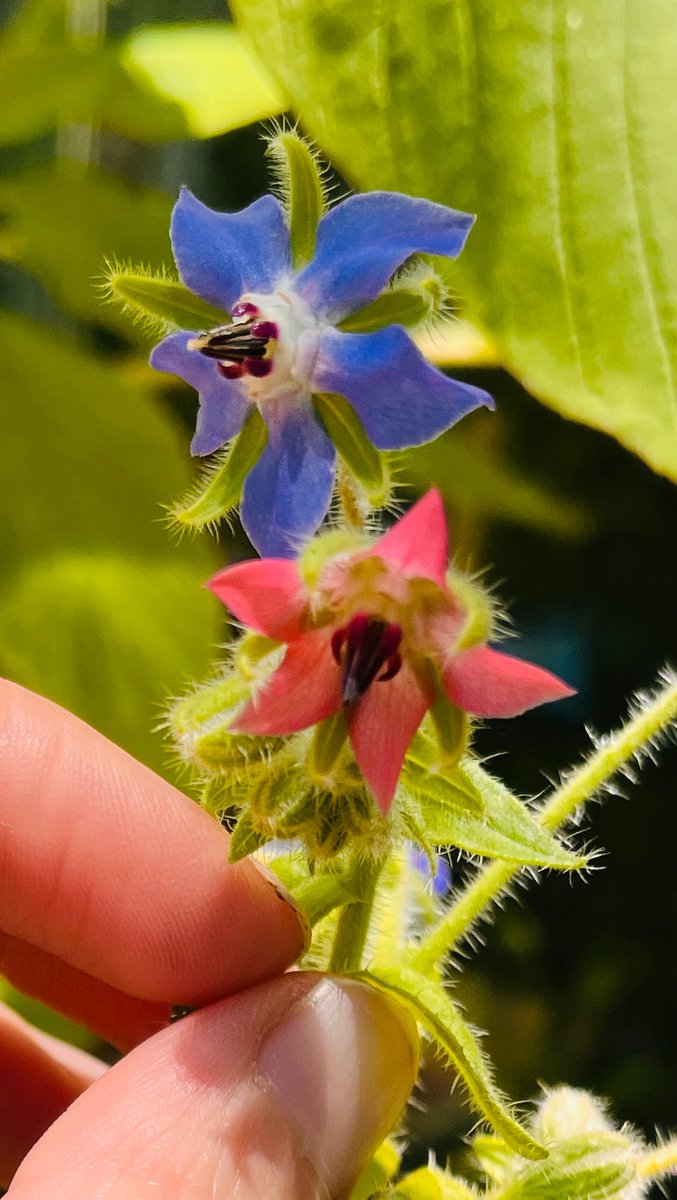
[[353, 922]]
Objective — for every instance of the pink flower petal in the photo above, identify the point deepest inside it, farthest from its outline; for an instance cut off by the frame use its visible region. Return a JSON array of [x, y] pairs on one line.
[[304, 689], [418, 544], [491, 684], [381, 726], [267, 595]]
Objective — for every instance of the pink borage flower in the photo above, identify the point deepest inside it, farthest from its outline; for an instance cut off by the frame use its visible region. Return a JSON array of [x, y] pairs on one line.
[[379, 634]]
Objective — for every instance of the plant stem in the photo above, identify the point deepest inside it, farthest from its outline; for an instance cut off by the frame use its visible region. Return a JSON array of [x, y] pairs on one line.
[[581, 784], [660, 1160], [353, 923]]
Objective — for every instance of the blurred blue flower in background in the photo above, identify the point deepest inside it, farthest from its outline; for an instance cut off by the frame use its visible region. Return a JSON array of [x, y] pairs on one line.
[[281, 344]]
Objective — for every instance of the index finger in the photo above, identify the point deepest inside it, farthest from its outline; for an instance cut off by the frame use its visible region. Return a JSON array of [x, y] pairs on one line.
[[113, 870]]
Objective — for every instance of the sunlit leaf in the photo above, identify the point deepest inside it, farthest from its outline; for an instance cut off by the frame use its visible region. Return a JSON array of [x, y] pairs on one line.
[[433, 1008], [208, 70], [505, 829], [556, 123]]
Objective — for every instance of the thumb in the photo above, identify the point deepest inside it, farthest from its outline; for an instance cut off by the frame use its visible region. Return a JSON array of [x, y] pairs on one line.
[[282, 1091]]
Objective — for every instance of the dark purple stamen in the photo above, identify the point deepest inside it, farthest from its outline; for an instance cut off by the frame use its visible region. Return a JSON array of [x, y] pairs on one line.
[[362, 648], [237, 343]]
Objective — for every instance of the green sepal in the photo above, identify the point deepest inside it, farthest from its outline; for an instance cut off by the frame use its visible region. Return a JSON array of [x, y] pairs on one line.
[[220, 490], [360, 456], [327, 742], [160, 299], [417, 296], [252, 657], [431, 1005], [245, 839], [299, 177]]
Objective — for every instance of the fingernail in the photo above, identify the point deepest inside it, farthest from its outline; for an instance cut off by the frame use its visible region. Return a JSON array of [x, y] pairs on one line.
[[283, 894], [342, 1063]]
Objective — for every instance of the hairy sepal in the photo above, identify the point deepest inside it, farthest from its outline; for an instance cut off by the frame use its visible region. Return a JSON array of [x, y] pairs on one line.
[[361, 458], [220, 490], [299, 177], [159, 299], [416, 296]]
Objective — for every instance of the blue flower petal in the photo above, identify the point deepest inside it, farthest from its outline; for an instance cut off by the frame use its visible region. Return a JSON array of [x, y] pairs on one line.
[[221, 255], [223, 404], [287, 493], [363, 240], [399, 397]]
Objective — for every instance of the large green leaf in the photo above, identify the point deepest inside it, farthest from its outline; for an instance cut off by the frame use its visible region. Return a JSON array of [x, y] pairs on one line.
[[554, 121], [62, 224]]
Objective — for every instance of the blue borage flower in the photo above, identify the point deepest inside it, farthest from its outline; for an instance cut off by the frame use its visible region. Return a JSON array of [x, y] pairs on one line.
[[283, 345]]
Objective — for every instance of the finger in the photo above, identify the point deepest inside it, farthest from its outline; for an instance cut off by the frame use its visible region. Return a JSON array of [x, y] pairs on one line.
[[40, 1078], [283, 1091], [122, 1020], [110, 868]]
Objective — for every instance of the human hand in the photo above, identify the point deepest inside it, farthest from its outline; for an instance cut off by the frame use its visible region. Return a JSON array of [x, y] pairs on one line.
[[116, 902]]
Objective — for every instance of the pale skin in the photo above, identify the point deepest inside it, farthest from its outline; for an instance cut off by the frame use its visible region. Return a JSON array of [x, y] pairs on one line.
[[116, 902]]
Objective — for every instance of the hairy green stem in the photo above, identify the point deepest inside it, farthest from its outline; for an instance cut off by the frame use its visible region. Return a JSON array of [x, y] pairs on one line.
[[353, 923], [581, 784]]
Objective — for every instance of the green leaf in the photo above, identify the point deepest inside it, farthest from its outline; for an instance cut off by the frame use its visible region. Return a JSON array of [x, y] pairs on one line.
[[556, 124], [62, 225], [161, 298], [108, 637], [503, 829], [433, 1008], [207, 70], [359, 454]]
